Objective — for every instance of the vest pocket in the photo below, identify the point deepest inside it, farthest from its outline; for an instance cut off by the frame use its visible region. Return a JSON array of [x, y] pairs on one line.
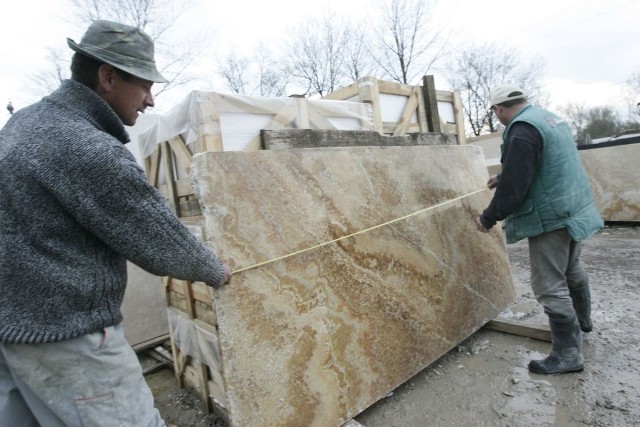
[[525, 222]]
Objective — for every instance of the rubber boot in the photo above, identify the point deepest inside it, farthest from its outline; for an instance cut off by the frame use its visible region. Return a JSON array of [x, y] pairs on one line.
[[566, 348], [581, 298]]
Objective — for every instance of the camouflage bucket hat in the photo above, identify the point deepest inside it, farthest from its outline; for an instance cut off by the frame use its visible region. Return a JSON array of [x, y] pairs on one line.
[[123, 46]]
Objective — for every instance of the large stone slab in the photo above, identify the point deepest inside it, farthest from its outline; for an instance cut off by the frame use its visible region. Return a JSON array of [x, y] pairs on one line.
[[614, 175], [315, 338], [144, 309]]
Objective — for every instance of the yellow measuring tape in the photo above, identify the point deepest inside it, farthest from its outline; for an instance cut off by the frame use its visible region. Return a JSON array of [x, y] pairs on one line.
[[418, 212]]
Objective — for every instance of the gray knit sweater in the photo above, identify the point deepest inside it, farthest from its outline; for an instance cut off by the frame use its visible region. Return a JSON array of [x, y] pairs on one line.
[[74, 206]]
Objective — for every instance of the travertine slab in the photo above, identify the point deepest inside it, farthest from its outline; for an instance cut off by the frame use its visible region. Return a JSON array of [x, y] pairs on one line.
[[316, 338], [315, 138], [614, 174]]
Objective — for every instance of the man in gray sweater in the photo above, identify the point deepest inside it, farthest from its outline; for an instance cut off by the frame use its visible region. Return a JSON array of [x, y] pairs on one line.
[[74, 207]]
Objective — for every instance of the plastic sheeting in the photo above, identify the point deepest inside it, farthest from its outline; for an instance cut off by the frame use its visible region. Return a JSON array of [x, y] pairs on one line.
[[239, 118], [193, 340]]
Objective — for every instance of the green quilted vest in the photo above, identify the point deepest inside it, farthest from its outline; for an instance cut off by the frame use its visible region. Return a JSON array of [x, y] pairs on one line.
[[559, 195]]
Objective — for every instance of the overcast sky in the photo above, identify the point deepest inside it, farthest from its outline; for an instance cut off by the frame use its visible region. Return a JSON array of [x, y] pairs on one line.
[[589, 47]]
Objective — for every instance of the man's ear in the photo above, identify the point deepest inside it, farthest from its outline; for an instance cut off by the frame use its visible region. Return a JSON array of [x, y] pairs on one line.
[[106, 78]]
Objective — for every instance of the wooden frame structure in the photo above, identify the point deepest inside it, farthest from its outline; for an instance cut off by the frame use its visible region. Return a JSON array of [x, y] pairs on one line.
[[420, 109], [190, 309], [200, 126]]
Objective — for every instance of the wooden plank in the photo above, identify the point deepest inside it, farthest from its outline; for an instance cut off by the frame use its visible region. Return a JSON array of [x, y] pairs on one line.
[[317, 119], [444, 96], [431, 104], [459, 115], [152, 165], [203, 312], [310, 138], [412, 104], [203, 379], [218, 396], [172, 195], [182, 154], [152, 342], [394, 88], [421, 112], [303, 114], [245, 104], [185, 364], [344, 93], [283, 118], [183, 187], [198, 291], [390, 127], [369, 93], [209, 131], [187, 291], [179, 359], [521, 328]]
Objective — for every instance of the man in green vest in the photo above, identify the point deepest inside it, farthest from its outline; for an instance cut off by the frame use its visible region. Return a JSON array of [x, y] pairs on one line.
[[544, 195]]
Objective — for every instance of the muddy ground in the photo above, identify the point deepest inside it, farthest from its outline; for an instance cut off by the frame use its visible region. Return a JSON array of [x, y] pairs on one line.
[[484, 381]]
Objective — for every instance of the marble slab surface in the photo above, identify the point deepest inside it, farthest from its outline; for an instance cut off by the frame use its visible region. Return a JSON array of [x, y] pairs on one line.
[[143, 308], [614, 175], [315, 338]]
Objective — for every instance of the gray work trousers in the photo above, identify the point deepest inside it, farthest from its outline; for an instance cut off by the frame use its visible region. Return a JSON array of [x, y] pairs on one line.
[[92, 380], [555, 268]]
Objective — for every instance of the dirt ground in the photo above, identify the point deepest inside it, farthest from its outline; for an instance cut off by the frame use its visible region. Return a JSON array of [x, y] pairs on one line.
[[484, 381]]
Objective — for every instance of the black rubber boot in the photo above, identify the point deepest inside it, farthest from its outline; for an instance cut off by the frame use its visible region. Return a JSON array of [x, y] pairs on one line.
[[566, 348], [581, 298]]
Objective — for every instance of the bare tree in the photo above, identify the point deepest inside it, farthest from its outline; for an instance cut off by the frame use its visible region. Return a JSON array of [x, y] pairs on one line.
[[262, 68], [634, 82], [632, 95], [480, 68], [158, 15], [577, 116], [234, 70], [272, 79], [357, 59], [408, 41], [155, 17], [314, 54], [43, 83], [602, 122]]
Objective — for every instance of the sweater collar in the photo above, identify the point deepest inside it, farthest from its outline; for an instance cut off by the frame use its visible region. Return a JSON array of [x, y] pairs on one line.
[[88, 104]]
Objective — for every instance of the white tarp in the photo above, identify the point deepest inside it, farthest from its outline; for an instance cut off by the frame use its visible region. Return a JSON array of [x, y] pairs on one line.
[[239, 118]]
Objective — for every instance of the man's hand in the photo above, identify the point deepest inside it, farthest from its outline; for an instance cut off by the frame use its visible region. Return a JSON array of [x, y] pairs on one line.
[[226, 278], [493, 182], [479, 225]]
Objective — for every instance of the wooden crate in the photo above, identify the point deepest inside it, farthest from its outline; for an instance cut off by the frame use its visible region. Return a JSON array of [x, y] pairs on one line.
[[206, 121], [398, 109], [211, 121], [194, 342], [193, 332]]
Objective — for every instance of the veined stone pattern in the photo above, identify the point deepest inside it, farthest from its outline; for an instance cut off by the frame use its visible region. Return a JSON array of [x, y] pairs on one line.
[[614, 175], [315, 338]]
